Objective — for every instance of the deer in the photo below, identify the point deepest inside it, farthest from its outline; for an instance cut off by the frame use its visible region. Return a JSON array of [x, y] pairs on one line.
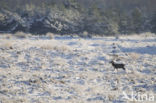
[[118, 65]]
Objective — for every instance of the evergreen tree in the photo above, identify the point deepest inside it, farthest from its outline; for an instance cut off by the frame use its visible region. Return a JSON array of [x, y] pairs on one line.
[[137, 20], [153, 23]]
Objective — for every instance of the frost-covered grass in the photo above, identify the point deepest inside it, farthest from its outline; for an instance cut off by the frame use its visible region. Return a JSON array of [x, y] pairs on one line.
[[39, 69]]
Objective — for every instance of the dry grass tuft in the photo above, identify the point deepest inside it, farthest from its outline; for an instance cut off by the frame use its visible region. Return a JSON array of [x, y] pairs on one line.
[[6, 44], [51, 45], [148, 34], [62, 48], [20, 35], [134, 56], [59, 61], [47, 46], [50, 35], [8, 36], [85, 34]]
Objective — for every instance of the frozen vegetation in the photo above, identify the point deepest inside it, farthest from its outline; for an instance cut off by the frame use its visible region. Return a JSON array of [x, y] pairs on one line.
[[42, 69]]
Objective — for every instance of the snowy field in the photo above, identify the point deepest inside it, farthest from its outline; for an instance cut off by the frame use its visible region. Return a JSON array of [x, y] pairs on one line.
[[38, 69]]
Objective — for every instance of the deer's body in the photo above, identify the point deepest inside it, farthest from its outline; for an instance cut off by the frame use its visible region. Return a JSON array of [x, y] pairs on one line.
[[117, 65]]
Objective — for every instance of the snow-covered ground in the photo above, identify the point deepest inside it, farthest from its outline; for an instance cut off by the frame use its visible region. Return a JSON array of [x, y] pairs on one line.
[[75, 70]]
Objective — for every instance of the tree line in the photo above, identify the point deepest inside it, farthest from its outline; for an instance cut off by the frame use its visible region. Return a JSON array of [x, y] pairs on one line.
[[103, 17]]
